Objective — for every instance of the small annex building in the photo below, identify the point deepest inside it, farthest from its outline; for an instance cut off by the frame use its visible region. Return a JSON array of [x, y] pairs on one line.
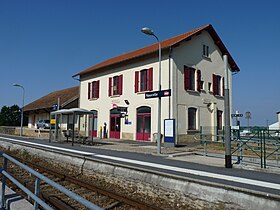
[[192, 69], [41, 108]]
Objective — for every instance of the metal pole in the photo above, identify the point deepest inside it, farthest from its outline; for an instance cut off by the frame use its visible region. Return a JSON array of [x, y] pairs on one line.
[[21, 121], [228, 162], [37, 191], [159, 99], [150, 32], [5, 162]]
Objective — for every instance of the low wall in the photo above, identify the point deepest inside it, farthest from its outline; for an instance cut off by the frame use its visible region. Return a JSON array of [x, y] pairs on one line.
[[7, 130], [31, 132], [201, 189]]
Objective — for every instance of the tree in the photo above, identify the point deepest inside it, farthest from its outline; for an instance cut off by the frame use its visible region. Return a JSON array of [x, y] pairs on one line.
[[10, 116]]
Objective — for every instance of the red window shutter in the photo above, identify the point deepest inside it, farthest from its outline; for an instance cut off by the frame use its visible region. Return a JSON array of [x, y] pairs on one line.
[[136, 85], [110, 86], [150, 78], [89, 90], [93, 89], [97, 88], [186, 77], [120, 87], [223, 88], [198, 81], [215, 85]]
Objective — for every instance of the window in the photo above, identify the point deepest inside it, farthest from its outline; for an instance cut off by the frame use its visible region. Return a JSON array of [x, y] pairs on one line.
[[217, 85], [144, 80], [205, 51], [192, 119], [115, 85], [190, 74], [209, 86], [219, 120], [202, 85], [93, 90]]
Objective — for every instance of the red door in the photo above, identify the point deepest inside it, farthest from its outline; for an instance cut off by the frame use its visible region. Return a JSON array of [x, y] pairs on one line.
[[115, 126], [93, 124], [143, 127]]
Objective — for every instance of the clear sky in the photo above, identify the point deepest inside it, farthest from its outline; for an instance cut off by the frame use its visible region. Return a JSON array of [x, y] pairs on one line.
[[44, 42]]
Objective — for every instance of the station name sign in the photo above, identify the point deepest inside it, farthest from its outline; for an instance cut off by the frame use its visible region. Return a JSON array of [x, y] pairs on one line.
[[157, 94]]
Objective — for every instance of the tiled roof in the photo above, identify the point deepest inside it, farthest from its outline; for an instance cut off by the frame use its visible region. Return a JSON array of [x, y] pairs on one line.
[[65, 96], [171, 42]]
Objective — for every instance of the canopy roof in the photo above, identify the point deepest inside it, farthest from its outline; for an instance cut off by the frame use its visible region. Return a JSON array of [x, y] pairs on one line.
[[72, 111]]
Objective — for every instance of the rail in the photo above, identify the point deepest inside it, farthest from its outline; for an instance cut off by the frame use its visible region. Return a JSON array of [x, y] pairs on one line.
[[35, 195]]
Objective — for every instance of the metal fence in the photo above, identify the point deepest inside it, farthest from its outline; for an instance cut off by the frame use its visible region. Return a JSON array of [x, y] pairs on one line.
[[35, 195], [255, 146]]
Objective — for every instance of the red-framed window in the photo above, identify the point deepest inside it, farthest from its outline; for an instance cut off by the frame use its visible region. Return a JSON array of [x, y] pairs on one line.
[[192, 79], [218, 85], [93, 89], [115, 85], [144, 80]]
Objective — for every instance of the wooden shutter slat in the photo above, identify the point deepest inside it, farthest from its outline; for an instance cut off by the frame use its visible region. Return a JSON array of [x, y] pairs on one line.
[[150, 75], [136, 85], [110, 87], [223, 88], [186, 77], [97, 88], [89, 90], [120, 88], [198, 85], [214, 84]]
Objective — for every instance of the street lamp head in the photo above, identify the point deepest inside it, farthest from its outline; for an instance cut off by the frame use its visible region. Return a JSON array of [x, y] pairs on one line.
[[147, 31], [17, 85]]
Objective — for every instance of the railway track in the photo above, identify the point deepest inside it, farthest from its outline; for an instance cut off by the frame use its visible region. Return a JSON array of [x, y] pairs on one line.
[[106, 199]]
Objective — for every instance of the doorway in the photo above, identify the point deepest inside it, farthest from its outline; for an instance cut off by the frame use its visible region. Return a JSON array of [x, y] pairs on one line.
[[143, 132], [115, 124], [93, 124]]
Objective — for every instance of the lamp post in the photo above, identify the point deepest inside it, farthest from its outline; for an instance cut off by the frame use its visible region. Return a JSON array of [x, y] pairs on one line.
[[150, 32], [228, 162], [23, 92]]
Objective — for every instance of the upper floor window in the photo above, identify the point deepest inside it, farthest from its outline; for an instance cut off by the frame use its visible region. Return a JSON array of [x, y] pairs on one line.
[[218, 85], [205, 51], [115, 85], [192, 118], [144, 80], [93, 89], [192, 79]]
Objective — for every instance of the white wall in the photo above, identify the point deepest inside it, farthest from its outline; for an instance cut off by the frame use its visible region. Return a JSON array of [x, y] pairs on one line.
[[190, 54], [187, 53]]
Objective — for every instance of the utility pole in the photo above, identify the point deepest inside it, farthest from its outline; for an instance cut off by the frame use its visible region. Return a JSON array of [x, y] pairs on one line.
[[228, 162]]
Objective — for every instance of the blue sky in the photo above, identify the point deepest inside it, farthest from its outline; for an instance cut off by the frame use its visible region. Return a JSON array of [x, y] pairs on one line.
[[43, 43]]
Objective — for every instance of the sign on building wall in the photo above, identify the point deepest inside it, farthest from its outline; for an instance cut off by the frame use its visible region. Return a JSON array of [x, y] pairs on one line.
[[157, 94]]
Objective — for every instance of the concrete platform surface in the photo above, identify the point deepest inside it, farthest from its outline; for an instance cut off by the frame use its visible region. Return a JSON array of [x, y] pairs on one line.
[[15, 201]]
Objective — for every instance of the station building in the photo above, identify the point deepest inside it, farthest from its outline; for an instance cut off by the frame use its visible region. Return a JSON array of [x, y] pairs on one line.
[[40, 109], [192, 69]]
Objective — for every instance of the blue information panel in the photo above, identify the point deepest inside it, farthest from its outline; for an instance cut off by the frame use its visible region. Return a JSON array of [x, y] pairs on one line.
[[169, 131]]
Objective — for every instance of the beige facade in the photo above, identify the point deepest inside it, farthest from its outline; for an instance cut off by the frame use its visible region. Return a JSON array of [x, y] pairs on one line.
[[187, 53]]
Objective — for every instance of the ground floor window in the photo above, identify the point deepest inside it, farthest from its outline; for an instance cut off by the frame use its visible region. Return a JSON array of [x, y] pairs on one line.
[[219, 120], [192, 118]]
